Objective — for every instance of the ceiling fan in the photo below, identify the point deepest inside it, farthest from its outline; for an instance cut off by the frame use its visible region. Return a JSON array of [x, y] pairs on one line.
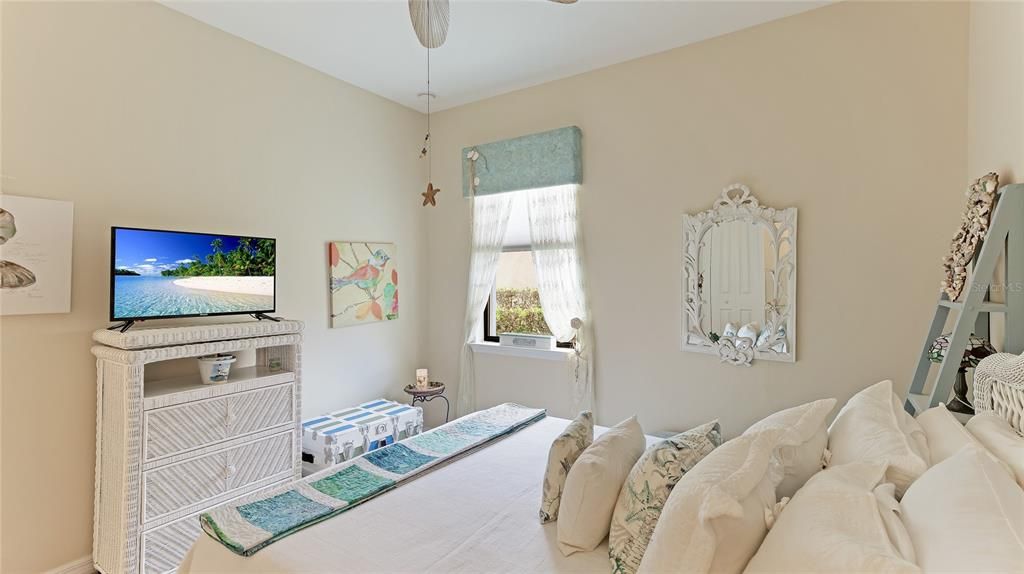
[[430, 20]]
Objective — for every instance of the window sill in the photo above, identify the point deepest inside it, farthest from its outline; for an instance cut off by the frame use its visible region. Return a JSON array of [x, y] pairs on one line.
[[557, 354]]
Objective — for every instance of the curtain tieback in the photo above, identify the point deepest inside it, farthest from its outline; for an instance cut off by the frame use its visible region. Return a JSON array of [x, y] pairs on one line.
[[577, 324]]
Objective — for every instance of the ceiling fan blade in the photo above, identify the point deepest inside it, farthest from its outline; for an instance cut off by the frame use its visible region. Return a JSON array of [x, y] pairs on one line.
[[430, 21]]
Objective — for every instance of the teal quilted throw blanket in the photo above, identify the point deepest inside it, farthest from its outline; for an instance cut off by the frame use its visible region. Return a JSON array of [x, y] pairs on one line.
[[247, 525]]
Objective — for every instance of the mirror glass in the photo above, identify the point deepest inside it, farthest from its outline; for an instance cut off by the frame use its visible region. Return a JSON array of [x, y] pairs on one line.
[[735, 258]]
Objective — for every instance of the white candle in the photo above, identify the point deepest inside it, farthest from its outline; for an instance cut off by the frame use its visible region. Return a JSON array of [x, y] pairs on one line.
[[422, 379]]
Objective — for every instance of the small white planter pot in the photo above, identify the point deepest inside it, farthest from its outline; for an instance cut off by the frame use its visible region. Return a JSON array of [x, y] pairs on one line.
[[214, 369]]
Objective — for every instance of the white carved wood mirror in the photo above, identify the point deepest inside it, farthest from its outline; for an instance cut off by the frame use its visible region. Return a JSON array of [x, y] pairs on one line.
[[739, 280]]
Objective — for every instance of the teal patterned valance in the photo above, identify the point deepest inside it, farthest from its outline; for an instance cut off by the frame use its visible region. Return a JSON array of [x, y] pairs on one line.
[[537, 160]]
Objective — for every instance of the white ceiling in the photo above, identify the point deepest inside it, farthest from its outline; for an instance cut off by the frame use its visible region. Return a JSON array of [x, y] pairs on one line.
[[493, 46]]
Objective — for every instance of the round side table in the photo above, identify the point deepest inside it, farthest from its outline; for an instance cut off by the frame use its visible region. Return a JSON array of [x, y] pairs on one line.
[[434, 391]]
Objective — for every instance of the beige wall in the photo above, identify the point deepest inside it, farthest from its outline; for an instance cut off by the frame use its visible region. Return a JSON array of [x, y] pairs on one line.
[[995, 110], [854, 113], [145, 117], [995, 113]]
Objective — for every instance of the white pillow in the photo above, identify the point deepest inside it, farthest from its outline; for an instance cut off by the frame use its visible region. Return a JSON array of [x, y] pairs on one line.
[[873, 427], [946, 436], [1001, 440], [716, 516], [836, 523], [966, 515], [909, 425], [593, 485], [565, 449], [803, 443], [889, 509]]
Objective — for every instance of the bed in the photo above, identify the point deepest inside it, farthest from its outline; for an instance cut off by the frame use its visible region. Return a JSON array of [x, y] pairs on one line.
[[479, 512], [475, 514]]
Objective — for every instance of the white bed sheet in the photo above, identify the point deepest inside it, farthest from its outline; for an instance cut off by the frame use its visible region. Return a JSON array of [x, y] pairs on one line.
[[476, 514]]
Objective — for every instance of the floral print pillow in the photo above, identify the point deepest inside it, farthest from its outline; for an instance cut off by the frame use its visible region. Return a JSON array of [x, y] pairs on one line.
[[646, 489], [564, 451]]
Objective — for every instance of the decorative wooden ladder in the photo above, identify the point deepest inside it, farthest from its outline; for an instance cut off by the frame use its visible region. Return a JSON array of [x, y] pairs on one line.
[[1006, 232]]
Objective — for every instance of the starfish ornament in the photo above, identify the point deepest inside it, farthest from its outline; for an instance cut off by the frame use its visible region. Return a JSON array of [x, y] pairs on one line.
[[428, 196]]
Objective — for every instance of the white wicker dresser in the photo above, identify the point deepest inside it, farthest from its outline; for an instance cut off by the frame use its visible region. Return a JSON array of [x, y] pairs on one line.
[[170, 447]]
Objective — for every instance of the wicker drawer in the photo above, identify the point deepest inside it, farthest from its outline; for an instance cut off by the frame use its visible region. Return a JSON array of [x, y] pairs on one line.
[[177, 429], [261, 409], [177, 486], [164, 548], [261, 459], [181, 428], [205, 479]]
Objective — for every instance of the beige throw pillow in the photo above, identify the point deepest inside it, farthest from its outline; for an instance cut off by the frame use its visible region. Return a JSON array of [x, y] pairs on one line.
[[564, 451], [593, 485], [647, 488]]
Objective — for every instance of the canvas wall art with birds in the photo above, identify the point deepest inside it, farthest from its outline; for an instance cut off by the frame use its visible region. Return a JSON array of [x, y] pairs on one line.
[[363, 282]]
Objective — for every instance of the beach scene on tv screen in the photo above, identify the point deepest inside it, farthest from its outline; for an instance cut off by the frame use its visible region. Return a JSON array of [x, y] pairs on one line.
[[164, 274]]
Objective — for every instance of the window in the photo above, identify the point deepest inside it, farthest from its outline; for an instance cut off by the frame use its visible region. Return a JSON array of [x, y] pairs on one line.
[[514, 305]]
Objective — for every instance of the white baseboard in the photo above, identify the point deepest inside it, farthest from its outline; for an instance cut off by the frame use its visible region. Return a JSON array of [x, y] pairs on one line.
[[81, 566]]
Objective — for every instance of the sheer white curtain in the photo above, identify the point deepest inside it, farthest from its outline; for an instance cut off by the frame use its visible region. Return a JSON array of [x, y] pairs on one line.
[[490, 219], [555, 238]]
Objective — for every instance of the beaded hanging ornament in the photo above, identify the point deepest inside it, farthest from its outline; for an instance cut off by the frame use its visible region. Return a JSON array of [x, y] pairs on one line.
[[430, 21]]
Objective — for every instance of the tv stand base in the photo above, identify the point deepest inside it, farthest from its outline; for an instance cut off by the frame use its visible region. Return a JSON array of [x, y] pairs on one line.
[[262, 316], [122, 326]]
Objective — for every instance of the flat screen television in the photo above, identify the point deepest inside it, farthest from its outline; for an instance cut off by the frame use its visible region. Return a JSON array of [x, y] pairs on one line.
[[158, 274]]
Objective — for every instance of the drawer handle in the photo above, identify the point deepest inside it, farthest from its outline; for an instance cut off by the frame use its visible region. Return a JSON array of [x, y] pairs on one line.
[[231, 417], [230, 470]]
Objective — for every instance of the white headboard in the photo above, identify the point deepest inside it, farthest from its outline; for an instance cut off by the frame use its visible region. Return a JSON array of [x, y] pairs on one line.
[[999, 388]]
